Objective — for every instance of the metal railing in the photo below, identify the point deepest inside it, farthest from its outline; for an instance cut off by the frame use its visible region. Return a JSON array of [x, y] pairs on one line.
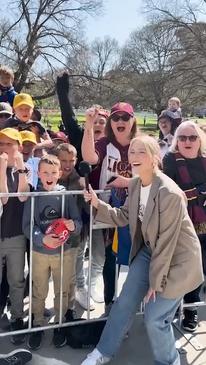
[[92, 225]]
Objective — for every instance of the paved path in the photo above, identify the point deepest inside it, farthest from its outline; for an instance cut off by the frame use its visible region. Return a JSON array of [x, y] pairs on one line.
[[134, 351]]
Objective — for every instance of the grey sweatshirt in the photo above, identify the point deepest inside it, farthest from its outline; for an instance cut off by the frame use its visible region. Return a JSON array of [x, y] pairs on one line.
[[46, 210]]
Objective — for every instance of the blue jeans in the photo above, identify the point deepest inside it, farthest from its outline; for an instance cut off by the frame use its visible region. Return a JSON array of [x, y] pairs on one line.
[[98, 258], [158, 315]]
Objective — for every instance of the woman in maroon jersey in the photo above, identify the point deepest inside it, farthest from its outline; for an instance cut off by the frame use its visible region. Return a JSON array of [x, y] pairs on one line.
[[110, 154]]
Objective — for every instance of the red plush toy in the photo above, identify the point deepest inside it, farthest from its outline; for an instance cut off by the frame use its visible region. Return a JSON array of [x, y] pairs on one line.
[[58, 228]]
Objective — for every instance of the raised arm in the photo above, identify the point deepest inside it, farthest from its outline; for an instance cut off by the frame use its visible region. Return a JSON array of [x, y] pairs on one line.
[[23, 185], [88, 146], [73, 129], [3, 176]]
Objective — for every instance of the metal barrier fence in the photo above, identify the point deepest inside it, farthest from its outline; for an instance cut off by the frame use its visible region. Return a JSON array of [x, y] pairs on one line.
[[92, 225]]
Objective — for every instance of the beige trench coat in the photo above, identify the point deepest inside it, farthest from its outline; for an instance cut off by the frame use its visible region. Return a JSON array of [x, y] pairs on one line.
[[176, 262]]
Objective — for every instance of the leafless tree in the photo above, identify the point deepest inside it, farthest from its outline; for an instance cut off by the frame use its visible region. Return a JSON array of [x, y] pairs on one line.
[[37, 36], [89, 67], [104, 55], [186, 17], [147, 58]]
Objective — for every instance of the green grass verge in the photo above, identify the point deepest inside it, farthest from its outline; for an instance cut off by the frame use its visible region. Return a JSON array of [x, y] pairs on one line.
[[150, 127], [54, 120]]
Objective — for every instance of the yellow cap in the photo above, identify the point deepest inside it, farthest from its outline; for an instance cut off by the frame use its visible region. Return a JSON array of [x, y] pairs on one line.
[[23, 99], [12, 133], [28, 136]]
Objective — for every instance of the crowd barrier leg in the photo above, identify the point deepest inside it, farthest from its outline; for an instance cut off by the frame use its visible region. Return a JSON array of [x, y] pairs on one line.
[[62, 268], [31, 261], [116, 281], [90, 261]]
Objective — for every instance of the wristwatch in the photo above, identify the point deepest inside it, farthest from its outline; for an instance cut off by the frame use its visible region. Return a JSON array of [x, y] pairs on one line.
[[23, 171]]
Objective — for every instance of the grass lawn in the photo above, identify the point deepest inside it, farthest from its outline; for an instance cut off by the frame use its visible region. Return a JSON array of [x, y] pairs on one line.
[[54, 121], [149, 127]]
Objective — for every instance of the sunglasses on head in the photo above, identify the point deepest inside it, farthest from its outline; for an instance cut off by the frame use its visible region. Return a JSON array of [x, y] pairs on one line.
[[125, 117], [191, 138], [4, 115]]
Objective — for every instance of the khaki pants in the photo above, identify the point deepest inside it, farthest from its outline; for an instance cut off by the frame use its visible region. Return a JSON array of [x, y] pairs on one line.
[[43, 266], [12, 250]]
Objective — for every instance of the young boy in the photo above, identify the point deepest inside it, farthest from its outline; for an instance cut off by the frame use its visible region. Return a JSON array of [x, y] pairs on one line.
[[174, 108], [46, 261], [29, 143], [23, 106], [13, 178], [7, 92], [67, 155]]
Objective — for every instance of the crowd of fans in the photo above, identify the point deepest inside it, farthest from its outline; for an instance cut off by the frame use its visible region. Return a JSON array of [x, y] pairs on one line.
[[33, 158]]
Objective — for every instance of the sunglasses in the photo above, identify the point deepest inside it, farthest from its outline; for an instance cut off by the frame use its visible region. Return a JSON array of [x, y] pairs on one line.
[[4, 115], [124, 117], [191, 138]]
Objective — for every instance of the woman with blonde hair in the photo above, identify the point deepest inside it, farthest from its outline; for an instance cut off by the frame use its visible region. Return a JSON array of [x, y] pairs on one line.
[[164, 247], [186, 165]]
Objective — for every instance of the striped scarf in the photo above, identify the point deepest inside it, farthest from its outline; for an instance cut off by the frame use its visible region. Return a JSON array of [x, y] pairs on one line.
[[196, 195]]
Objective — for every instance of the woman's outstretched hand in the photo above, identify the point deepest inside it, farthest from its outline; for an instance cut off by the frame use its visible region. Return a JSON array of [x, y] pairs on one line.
[[91, 196], [151, 295]]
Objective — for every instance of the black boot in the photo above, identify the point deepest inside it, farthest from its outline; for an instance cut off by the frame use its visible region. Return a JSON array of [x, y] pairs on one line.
[[190, 321], [59, 337], [70, 315], [35, 340], [16, 325]]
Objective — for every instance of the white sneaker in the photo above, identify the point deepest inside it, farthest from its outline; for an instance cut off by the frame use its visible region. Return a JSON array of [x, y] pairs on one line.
[[81, 298], [96, 296], [95, 358]]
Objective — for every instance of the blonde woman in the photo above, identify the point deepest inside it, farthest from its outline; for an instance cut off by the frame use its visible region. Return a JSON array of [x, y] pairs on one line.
[[164, 247]]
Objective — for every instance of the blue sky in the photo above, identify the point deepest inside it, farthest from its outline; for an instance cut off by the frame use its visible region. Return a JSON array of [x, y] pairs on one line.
[[120, 18]]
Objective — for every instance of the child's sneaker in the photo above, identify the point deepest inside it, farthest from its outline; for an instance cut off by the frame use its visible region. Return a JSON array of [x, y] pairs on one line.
[[16, 357], [17, 325], [96, 296], [35, 340], [59, 337], [95, 358]]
